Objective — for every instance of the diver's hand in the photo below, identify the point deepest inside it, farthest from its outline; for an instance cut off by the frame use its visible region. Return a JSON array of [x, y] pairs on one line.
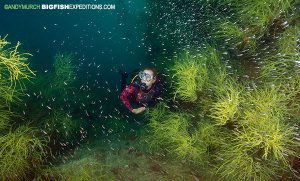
[[138, 110]]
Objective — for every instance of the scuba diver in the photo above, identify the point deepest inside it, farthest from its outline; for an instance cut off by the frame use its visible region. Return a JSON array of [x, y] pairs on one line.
[[144, 90]]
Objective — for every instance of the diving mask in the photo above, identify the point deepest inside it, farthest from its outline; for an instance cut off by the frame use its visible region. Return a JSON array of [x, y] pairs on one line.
[[145, 76]]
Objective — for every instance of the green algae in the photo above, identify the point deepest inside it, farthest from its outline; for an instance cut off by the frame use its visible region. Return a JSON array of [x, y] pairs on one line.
[[21, 153]]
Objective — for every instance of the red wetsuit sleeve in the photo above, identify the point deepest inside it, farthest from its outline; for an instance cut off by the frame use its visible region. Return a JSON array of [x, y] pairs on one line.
[[128, 91]]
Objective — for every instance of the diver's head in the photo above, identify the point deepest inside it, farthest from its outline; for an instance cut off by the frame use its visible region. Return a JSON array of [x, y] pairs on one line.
[[148, 77]]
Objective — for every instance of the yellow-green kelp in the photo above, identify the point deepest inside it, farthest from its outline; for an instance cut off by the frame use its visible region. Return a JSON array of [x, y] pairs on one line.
[[246, 133], [21, 152], [13, 70], [190, 72]]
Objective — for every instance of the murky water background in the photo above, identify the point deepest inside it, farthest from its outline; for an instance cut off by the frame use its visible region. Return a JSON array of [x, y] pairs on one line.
[[102, 42]]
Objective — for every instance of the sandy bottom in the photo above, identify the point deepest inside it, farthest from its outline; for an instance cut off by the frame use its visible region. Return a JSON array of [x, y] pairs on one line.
[[125, 159]]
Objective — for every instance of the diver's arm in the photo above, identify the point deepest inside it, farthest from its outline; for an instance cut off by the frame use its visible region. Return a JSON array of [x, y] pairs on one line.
[[128, 91]]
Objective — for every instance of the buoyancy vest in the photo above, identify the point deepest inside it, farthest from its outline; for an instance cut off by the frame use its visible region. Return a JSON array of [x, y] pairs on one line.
[[144, 96]]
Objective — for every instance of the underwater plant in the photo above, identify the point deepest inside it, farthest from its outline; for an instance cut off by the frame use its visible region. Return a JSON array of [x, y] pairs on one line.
[[257, 14], [13, 71], [266, 113], [171, 135], [20, 153], [157, 113], [219, 86], [277, 70], [244, 130], [209, 60], [8, 94], [266, 102], [263, 140], [64, 71], [275, 141], [62, 123], [226, 107], [258, 153], [212, 58], [292, 90], [283, 66], [236, 37], [57, 83], [281, 69], [13, 66], [288, 43], [186, 70], [257, 147], [5, 116], [207, 140], [191, 72], [237, 164]]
